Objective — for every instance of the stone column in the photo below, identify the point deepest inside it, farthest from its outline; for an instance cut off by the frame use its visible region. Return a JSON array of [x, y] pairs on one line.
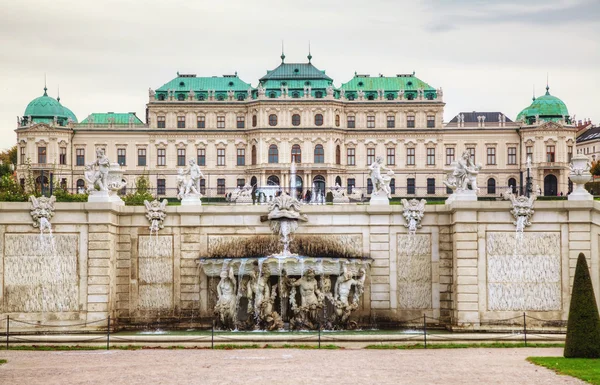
[[379, 249]]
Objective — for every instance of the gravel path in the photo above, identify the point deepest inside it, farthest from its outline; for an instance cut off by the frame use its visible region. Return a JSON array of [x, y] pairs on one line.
[[280, 366]]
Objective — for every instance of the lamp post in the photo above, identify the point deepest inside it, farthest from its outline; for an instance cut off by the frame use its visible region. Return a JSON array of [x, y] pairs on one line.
[[528, 183]]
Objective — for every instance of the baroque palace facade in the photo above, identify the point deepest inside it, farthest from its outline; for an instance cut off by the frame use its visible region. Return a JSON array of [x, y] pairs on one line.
[[242, 134]]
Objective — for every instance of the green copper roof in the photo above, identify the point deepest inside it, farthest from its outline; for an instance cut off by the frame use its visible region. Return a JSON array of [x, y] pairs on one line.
[[217, 83], [68, 112], [296, 84], [45, 106], [401, 82], [295, 71], [546, 107], [112, 118]]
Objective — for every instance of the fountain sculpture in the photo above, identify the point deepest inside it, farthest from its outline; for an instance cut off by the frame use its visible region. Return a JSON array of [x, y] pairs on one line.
[[188, 184], [156, 212], [462, 179], [241, 195], [104, 179], [284, 286], [339, 195], [414, 210], [522, 209], [42, 210], [381, 183], [580, 175]]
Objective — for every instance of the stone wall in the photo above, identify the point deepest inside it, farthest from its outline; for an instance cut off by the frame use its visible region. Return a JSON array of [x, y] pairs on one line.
[[464, 266]]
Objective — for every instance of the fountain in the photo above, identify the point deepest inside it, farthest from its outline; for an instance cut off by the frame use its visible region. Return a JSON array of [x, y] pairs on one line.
[[156, 212], [42, 210], [414, 211]]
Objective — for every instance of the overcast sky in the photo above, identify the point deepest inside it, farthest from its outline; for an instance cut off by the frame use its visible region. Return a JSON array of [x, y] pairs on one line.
[[487, 55]]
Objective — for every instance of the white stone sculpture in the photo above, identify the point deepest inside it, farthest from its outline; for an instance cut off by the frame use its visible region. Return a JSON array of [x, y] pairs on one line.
[[241, 195], [261, 90], [104, 179], [226, 306], [42, 210], [522, 209], [342, 94], [306, 316], [156, 212], [151, 93], [414, 210], [329, 90], [356, 194], [381, 183], [284, 214], [343, 307], [339, 194], [580, 175], [462, 179], [188, 184], [361, 94]]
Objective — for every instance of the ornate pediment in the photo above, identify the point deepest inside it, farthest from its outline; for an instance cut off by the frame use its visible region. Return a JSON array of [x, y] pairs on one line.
[[550, 126]]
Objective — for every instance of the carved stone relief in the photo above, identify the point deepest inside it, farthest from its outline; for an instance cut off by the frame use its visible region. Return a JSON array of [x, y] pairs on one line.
[[524, 275], [155, 265], [414, 271]]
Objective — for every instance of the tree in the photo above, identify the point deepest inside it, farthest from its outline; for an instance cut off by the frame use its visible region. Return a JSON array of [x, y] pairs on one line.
[[8, 158], [142, 193], [583, 327], [595, 169]]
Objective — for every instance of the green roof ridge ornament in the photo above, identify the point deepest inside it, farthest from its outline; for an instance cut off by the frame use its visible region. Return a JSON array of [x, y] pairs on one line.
[[282, 54], [58, 94], [309, 55]]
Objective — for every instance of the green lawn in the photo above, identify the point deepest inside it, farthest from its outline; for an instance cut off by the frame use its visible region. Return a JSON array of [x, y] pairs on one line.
[[586, 369]]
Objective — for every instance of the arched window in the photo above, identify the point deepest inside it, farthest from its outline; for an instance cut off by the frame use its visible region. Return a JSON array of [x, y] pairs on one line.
[[393, 185], [318, 94], [429, 96], [273, 154], [296, 154], [161, 96], [491, 186], [319, 154], [272, 120], [512, 183], [295, 95], [180, 97], [254, 155], [241, 97], [338, 155], [371, 97], [390, 96], [254, 121], [338, 180], [80, 186], [318, 120], [273, 180], [337, 120], [410, 96], [369, 186], [319, 184], [272, 95], [295, 120], [350, 96], [254, 183]]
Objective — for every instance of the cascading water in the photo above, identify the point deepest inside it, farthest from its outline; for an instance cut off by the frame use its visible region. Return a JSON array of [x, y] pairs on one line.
[[293, 179]]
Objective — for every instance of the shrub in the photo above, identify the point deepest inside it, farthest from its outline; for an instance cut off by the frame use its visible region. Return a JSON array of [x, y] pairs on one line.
[[63, 195], [11, 190], [583, 327], [141, 194]]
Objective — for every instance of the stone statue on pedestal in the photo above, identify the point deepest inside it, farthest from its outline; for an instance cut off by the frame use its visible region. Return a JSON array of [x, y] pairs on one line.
[[381, 183], [462, 179], [225, 309], [188, 184]]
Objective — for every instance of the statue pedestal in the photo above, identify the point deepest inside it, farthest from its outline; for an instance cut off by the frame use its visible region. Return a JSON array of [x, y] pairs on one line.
[[105, 197], [191, 200], [580, 194], [379, 200], [466, 195]]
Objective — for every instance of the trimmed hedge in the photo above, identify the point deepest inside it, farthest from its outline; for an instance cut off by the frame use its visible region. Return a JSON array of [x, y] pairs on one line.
[[583, 327]]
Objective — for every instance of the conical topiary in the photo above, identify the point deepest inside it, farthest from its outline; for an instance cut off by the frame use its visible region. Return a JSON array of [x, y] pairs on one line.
[[583, 327]]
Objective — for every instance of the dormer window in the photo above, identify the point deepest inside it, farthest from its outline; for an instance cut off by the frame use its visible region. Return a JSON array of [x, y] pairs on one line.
[[220, 97], [161, 96], [230, 84], [240, 97], [307, 83], [180, 97], [410, 96], [295, 95], [318, 94], [350, 96], [360, 84], [371, 97], [181, 84], [390, 96], [429, 96], [272, 95]]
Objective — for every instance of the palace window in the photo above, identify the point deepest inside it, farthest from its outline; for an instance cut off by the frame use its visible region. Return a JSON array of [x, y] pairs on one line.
[[241, 182], [491, 155], [569, 153], [221, 186], [369, 186], [318, 120], [41, 154], [161, 157], [410, 121], [550, 153], [161, 122], [410, 185], [449, 155], [62, 157], [370, 156], [180, 97], [241, 122], [295, 120], [390, 96], [351, 183], [371, 121], [201, 157], [253, 155], [80, 185], [337, 120], [181, 122], [80, 157], [203, 186], [296, 154], [351, 158], [272, 120], [121, 156], [273, 154], [391, 156], [319, 154], [181, 156], [491, 186], [22, 156], [161, 187], [241, 97], [471, 153], [254, 121], [393, 185], [430, 185], [141, 157], [512, 155], [410, 156], [241, 156], [220, 157], [351, 121], [431, 156], [221, 121], [201, 123], [338, 155], [391, 121], [430, 121]]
